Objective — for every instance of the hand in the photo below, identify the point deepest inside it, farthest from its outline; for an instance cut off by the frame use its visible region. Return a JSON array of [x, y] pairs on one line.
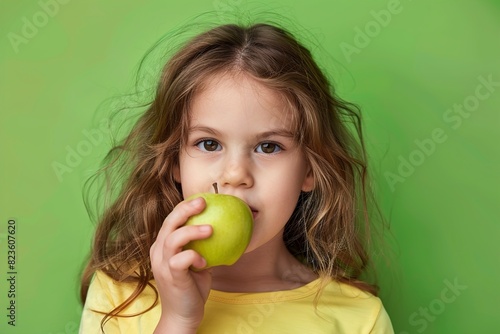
[[183, 292]]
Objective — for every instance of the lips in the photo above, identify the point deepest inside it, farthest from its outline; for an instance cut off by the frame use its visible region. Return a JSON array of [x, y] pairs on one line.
[[254, 212]]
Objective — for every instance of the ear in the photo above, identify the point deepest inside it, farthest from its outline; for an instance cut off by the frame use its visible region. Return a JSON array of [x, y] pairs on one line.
[[308, 184]]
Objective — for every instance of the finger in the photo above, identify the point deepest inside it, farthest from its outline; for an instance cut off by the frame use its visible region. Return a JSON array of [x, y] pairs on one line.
[[154, 255], [176, 240], [203, 279], [180, 263], [179, 215], [183, 235]]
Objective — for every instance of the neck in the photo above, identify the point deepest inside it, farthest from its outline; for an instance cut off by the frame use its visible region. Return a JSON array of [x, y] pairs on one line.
[[270, 267]]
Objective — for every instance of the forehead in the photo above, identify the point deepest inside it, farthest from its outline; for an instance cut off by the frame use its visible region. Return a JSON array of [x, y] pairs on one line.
[[239, 95]]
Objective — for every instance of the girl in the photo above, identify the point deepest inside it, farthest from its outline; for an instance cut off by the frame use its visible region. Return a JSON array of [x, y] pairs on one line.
[[245, 107]]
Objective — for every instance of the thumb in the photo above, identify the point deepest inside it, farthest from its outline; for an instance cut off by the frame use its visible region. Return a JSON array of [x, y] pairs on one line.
[[203, 279]]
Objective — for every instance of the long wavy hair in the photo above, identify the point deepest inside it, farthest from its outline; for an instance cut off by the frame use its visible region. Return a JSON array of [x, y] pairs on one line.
[[329, 228]]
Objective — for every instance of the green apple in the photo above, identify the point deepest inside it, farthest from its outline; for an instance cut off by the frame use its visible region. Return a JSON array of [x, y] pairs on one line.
[[232, 225]]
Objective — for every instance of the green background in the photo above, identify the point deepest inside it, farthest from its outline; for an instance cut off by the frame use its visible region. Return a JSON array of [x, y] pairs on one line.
[[430, 55]]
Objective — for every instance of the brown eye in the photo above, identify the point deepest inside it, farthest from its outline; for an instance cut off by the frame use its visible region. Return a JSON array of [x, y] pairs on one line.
[[268, 148], [209, 145]]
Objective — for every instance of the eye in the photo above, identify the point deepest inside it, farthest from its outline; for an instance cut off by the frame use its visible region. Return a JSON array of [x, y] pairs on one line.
[[208, 145], [268, 148]]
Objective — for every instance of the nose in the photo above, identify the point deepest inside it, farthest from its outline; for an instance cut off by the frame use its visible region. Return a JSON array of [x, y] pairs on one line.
[[237, 172]]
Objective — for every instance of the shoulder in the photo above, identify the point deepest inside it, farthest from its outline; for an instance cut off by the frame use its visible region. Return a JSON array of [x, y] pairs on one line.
[[104, 289], [106, 294], [344, 290], [354, 305], [343, 294], [105, 284]]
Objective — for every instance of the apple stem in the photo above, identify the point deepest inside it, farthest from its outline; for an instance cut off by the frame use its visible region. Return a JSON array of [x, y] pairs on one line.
[[215, 187]]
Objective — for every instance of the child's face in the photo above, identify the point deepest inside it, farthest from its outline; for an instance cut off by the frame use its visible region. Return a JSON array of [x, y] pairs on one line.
[[240, 136]]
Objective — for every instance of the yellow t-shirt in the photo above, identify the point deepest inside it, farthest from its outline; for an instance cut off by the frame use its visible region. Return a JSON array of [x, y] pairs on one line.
[[340, 309]]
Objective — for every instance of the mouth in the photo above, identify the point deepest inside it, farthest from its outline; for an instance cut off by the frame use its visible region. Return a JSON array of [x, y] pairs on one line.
[[255, 212]]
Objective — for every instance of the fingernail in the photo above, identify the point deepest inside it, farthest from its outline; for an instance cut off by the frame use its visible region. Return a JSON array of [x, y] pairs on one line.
[[195, 201], [203, 264]]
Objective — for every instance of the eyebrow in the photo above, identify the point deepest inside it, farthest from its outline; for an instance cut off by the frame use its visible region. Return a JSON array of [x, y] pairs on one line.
[[274, 132], [202, 129], [278, 132]]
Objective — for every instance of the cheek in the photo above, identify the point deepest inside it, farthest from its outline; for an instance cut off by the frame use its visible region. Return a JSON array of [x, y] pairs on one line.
[[280, 206], [186, 175], [281, 185], [196, 177], [281, 197]]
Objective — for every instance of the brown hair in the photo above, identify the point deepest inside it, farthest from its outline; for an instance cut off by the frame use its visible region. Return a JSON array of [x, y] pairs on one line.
[[329, 227]]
